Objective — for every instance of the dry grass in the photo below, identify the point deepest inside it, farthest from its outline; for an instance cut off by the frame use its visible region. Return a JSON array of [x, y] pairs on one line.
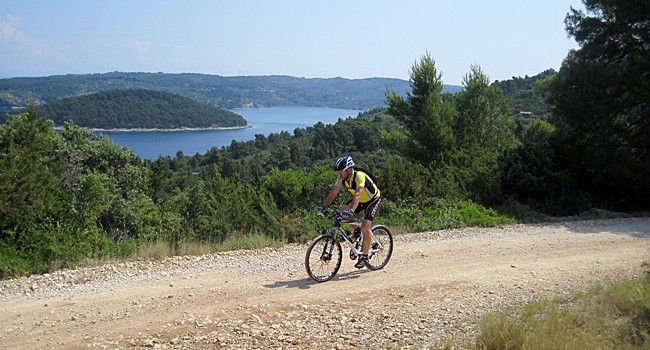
[[617, 317], [161, 250]]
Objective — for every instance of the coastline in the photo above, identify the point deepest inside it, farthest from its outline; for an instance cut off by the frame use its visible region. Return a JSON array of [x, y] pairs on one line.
[[210, 128]]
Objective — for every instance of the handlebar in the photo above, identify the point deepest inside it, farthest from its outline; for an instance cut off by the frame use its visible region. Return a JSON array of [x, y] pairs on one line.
[[335, 214], [328, 212]]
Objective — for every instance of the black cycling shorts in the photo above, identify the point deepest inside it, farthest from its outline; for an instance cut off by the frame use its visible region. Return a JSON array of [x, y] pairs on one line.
[[371, 208]]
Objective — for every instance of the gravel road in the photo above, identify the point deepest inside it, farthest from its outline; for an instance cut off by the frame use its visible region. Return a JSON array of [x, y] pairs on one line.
[[430, 294]]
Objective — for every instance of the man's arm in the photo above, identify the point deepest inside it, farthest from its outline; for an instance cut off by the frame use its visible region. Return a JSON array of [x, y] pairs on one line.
[[356, 199], [331, 196]]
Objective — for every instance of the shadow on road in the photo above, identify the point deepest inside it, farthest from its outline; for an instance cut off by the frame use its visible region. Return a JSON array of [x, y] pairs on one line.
[[302, 283], [306, 283], [635, 227]]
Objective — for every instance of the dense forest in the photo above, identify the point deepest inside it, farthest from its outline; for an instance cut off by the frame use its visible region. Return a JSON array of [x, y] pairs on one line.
[[442, 159], [223, 92], [137, 109], [522, 94]]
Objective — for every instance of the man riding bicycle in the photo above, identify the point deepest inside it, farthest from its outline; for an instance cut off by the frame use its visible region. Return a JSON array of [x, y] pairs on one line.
[[366, 197]]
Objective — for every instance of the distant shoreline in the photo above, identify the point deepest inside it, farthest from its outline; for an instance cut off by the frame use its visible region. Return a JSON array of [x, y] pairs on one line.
[[211, 128]]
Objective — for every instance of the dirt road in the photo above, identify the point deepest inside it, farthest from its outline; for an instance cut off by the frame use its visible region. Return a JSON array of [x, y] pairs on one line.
[[431, 293]]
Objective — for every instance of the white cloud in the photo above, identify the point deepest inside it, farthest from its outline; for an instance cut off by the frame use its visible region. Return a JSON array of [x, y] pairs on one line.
[[141, 47], [8, 29], [10, 33]]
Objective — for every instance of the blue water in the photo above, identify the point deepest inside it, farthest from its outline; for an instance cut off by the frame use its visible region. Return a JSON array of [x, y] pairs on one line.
[[152, 144]]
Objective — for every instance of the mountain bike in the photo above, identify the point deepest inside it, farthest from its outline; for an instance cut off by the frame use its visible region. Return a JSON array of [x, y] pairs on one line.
[[325, 253]]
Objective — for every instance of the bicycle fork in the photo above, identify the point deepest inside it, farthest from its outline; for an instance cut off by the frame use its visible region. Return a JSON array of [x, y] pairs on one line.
[[328, 247]]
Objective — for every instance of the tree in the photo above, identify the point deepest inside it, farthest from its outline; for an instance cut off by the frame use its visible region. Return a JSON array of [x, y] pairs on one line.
[[31, 175], [483, 115], [484, 133], [427, 117], [532, 175], [600, 100]]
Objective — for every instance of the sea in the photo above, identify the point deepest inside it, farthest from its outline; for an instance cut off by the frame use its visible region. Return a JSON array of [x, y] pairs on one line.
[[265, 121]]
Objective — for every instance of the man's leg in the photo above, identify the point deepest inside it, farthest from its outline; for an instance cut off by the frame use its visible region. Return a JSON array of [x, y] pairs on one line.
[[365, 247], [365, 230]]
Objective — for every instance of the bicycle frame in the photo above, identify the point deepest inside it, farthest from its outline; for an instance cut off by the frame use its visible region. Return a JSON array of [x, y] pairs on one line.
[[339, 233]]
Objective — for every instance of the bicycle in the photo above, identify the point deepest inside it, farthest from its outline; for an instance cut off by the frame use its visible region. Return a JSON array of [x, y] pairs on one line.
[[324, 254]]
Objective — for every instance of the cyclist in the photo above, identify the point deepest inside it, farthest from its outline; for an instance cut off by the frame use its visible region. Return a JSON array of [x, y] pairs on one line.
[[367, 197]]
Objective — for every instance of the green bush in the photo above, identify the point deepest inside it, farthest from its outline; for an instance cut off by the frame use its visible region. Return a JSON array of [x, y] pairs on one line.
[[286, 187], [12, 264], [439, 214]]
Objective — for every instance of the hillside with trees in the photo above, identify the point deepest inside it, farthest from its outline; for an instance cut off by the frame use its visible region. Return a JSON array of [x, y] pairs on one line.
[[443, 160], [524, 95], [143, 109], [220, 91]]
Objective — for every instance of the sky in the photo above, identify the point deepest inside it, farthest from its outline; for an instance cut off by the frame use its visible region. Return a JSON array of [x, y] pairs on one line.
[[352, 39]]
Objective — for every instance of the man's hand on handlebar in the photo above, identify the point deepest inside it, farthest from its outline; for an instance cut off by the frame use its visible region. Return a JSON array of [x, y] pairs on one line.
[[345, 214]]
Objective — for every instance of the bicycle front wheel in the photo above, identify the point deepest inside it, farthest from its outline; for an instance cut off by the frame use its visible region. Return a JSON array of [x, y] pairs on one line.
[[381, 247], [323, 258]]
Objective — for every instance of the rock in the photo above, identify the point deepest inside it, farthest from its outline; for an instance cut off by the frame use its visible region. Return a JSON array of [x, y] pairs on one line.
[[256, 319]]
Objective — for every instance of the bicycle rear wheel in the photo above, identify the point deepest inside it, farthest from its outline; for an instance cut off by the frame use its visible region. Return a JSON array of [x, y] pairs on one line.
[[323, 258], [381, 247]]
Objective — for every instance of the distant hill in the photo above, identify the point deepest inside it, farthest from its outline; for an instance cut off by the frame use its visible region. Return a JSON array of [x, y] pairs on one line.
[[138, 109], [224, 92]]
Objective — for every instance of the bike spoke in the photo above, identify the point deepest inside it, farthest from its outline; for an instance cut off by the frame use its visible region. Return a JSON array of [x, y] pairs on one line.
[[323, 258], [381, 247]]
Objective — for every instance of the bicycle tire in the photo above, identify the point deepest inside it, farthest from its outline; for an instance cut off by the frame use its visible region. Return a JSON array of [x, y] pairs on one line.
[[323, 258], [381, 238]]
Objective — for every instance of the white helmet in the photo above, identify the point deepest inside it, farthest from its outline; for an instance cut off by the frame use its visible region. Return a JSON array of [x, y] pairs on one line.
[[344, 163]]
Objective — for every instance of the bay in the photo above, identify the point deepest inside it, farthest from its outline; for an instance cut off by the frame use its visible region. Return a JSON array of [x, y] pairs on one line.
[[265, 121]]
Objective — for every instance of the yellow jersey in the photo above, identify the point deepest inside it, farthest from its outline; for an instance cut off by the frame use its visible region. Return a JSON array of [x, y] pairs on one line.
[[360, 179]]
